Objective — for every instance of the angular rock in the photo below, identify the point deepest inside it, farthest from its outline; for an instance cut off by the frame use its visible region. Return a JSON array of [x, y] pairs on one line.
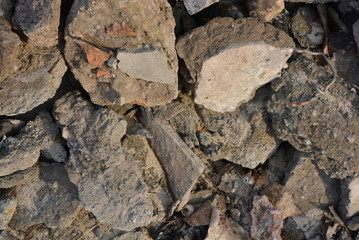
[[7, 209], [97, 28], [23, 150], [34, 83], [230, 59], [323, 125], [194, 6], [310, 228], [265, 10], [267, 221], [38, 20], [303, 179], [227, 229], [282, 200], [10, 126], [20, 177], [182, 167], [307, 28], [55, 152], [349, 197], [353, 223], [202, 216], [51, 199], [242, 137], [109, 184]]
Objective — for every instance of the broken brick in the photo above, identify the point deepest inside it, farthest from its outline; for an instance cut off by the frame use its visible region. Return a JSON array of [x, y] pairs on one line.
[[94, 55], [120, 29]]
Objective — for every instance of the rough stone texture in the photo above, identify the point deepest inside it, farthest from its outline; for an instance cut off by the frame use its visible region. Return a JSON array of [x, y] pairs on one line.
[[307, 28], [7, 209], [303, 179], [51, 199], [109, 184], [356, 33], [34, 83], [10, 126], [349, 197], [182, 167], [39, 20], [230, 59], [227, 229], [133, 236], [282, 200], [267, 221], [242, 137], [265, 10], [311, 228], [194, 6], [23, 150], [55, 152], [150, 65], [326, 127], [9, 50], [95, 27], [20, 177]]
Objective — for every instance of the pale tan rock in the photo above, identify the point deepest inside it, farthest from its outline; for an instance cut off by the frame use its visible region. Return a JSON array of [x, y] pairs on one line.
[[97, 29], [230, 59], [349, 201], [265, 10]]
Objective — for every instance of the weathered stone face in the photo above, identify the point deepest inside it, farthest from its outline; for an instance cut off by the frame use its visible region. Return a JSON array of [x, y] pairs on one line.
[[97, 29], [194, 6], [230, 59]]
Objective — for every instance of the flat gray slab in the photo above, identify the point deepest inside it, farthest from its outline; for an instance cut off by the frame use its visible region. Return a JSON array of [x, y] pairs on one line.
[[194, 6]]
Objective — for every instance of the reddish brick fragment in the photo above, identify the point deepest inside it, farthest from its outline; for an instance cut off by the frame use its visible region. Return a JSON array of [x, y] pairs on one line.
[[94, 55], [102, 73]]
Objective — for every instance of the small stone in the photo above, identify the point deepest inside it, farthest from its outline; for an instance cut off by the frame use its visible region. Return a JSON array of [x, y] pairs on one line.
[[7, 209], [50, 199], [356, 33], [181, 165], [10, 126], [20, 177], [307, 28], [149, 65], [311, 228], [235, 214], [201, 216], [239, 57], [282, 200], [94, 55], [303, 179], [265, 10], [112, 62], [353, 223], [55, 152], [349, 197], [39, 20], [266, 219], [23, 150], [227, 229], [194, 6], [109, 184]]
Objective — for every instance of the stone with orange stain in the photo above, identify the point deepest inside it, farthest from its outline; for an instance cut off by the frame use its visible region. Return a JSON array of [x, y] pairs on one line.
[[141, 102], [7, 209], [94, 55], [102, 73], [120, 29]]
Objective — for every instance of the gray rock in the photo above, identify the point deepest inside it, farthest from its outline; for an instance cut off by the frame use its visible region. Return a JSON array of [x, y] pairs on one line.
[[23, 150], [194, 6], [20, 177], [5, 9], [356, 32], [211, 54], [149, 65], [181, 165], [307, 28], [303, 179], [266, 10], [38, 79], [109, 184], [7, 209], [96, 27], [55, 152], [39, 20], [51, 199], [242, 137], [349, 197], [311, 228], [8, 126], [321, 124]]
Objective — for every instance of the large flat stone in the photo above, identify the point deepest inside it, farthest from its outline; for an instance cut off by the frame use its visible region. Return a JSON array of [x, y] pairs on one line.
[[230, 59], [51, 199], [182, 167], [109, 184], [96, 28]]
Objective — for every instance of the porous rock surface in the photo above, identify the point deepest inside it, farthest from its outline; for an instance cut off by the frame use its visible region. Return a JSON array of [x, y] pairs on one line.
[[23, 150], [265, 10], [51, 199], [326, 127], [109, 183], [95, 31], [222, 82]]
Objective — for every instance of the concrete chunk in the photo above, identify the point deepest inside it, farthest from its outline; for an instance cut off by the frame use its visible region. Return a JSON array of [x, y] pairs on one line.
[[194, 6]]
